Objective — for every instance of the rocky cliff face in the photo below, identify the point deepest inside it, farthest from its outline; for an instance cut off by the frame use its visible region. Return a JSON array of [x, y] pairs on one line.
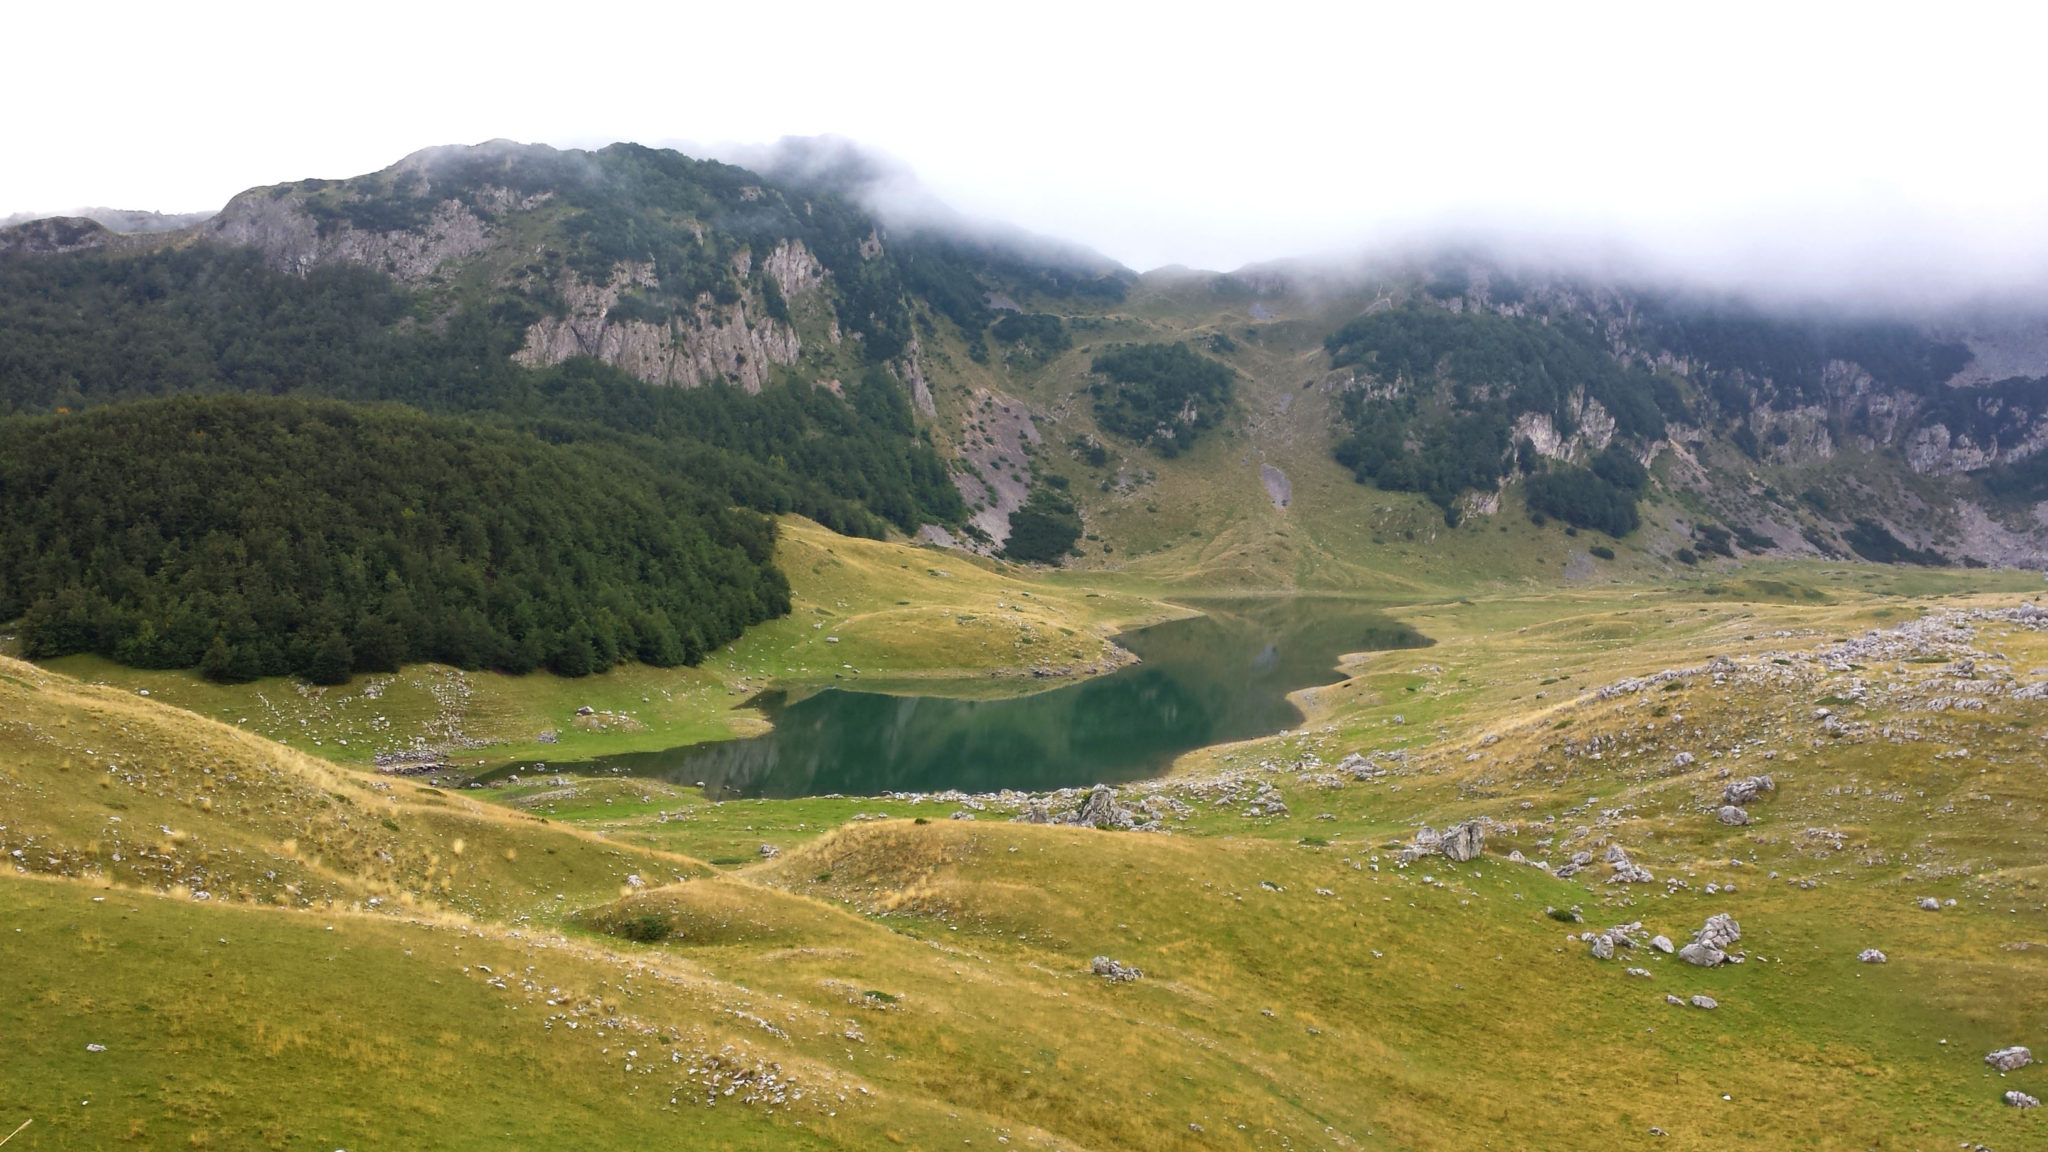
[[291, 240], [707, 344]]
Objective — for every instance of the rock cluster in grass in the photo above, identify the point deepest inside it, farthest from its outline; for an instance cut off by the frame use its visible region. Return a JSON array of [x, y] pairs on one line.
[[1743, 792], [1113, 971], [1458, 843], [1709, 947], [1626, 871], [2019, 1099]]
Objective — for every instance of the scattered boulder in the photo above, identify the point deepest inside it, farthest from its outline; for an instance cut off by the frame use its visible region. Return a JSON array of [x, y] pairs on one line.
[[1930, 904], [1113, 971], [1571, 867], [1616, 854], [1628, 872], [2018, 1099], [1462, 842], [1661, 943], [1098, 810], [1871, 956], [1709, 947], [770, 851], [1741, 792], [1603, 947], [586, 710], [551, 736], [1682, 760], [1674, 1001], [1702, 955], [1707, 1002], [2010, 1059], [1731, 815], [1643, 972], [1720, 931], [961, 814]]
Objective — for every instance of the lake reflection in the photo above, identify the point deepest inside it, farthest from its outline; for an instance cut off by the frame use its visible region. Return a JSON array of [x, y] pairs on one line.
[[1204, 680]]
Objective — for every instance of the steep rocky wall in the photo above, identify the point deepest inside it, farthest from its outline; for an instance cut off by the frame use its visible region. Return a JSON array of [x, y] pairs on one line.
[[712, 342], [290, 239]]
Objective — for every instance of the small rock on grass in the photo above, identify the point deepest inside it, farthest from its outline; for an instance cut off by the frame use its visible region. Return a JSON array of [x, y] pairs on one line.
[[2020, 1099], [1707, 1002], [1930, 904], [1871, 956]]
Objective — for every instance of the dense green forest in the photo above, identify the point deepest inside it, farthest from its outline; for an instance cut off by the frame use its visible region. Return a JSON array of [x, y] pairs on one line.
[[1045, 528], [94, 329], [267, 536], [1602, 496], [1453, 385], [1164, 395]]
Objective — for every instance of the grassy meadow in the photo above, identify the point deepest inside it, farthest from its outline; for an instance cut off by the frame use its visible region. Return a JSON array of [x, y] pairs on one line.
[[1301, 988]]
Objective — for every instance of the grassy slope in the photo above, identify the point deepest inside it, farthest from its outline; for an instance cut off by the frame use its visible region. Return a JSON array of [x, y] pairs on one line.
[[1431, 1007]]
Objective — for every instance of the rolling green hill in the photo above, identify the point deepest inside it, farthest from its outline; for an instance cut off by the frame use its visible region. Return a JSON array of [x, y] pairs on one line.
[[270, 950]]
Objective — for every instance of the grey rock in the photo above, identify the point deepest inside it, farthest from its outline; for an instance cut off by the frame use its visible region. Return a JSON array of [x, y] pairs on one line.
[[1034, 813], [1703, 955], [1643, 972], [1616, 854], [2010, 1059], [1720, 931], [1707, 1002], [1627, 873], [1674, 1001], [1603, 947], [1731, 815], [586, 710], [2019, 1099], [1661, 943], [1099, 810], [770, 851], [1113, 971], [1871, 956], [1462, 842], [1682, 760], [1930, 904], [1741, 792]]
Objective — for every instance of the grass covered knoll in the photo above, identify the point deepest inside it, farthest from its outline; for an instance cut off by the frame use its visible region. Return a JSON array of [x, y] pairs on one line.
[[109, 787], [264, 537]]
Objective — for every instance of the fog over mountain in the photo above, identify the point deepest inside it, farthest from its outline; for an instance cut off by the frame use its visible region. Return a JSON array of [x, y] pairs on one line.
[[1808, 154]]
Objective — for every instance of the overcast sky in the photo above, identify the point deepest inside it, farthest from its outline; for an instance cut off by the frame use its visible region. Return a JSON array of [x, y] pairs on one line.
[[1829, 145]]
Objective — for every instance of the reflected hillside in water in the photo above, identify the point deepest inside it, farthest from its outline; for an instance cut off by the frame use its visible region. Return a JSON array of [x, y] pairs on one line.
[[1204, 680]]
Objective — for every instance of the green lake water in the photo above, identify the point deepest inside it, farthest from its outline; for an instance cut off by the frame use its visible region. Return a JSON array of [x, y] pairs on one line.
[[1209, 679]]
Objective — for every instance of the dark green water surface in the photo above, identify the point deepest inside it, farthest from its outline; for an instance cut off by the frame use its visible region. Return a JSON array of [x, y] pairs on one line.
[[1208, 679]]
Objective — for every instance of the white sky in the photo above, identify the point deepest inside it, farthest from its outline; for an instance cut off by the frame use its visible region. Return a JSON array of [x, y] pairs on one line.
[[1828, 144]]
